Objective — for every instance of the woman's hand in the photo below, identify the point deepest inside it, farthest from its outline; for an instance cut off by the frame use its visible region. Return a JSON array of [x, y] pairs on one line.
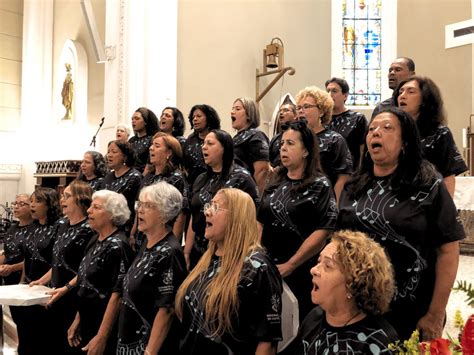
[[431, 326], [96, 346], [285, 269], [73, 334], [5, 270], [56, 294], [36, 282]]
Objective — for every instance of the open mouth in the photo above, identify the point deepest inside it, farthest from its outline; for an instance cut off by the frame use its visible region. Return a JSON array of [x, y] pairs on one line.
[[208, 224], [232, 118]]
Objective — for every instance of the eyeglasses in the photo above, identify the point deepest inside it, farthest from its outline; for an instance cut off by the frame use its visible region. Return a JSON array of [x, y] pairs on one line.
[[145, 205], [20, 204], [213, 208], [305, 107], [285, 110]]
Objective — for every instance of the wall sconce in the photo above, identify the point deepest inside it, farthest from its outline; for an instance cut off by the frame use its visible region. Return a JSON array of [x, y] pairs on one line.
[[273, 58]]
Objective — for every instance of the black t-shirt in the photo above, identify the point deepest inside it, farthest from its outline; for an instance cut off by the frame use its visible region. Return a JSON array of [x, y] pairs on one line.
[[250, 146], [259, 315], [371, 335], [205, 188], [290, 216], [12, 249], [151, 283], [442, 152], [335, 156], [352, 126], [68, 250], [141, 146], [103, 268], [410, 226], [175, 178], [193, 158], [274, 150], [37, 249], [96, 183], [128, 185]]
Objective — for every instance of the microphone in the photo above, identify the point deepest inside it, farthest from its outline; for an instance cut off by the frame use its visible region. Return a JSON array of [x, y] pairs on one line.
[[98, 129]]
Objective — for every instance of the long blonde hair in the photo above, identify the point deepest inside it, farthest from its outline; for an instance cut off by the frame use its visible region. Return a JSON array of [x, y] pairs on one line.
[[240, 240]]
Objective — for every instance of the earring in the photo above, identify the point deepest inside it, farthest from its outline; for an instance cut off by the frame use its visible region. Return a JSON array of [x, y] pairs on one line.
[[348, 296]]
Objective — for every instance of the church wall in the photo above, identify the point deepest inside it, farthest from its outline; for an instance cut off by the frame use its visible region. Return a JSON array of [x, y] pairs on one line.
[[421, 26], [70, 23], [220, 44]]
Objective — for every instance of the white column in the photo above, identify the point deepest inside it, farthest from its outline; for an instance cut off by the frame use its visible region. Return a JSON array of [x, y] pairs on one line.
[[144, 71], [36, 84]]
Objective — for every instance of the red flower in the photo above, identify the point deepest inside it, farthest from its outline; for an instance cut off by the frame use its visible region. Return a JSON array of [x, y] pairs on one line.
[[467, 338], [438, 346]]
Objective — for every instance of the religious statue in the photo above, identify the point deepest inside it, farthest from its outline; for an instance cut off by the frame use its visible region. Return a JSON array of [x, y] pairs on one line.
[[68, 93]]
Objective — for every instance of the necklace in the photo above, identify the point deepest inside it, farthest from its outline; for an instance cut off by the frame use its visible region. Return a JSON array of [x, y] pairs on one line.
[[352, 318]]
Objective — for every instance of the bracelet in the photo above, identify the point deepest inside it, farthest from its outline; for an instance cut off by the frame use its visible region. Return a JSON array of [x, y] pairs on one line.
[[68, 286]]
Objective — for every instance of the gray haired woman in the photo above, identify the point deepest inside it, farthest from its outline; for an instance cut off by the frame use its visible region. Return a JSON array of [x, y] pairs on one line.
[[151, 283], [101, 274]]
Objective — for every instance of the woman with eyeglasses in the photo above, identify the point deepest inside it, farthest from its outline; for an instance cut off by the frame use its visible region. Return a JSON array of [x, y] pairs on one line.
[[11, 262], [72, 237], [100, 276], [202, 118], [93, 170], [218, 152], [37, 247], [231, 301], [297, 212], [146, 321], [166, 157], [315, 106], [250, 143]]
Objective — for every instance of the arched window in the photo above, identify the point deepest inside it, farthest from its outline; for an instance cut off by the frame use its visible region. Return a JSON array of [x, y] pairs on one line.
[[363, 46]]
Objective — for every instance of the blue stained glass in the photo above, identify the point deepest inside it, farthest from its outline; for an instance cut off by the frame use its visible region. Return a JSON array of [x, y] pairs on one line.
[[361, 50]]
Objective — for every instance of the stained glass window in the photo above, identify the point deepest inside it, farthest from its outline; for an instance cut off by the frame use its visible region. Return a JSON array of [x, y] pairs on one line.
[[362, 50]]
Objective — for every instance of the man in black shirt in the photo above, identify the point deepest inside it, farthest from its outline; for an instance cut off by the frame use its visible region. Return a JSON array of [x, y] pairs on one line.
[[400, 69]]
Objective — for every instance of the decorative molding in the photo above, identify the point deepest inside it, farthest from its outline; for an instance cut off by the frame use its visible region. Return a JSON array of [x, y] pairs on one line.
[[121, 61], [10, 171], [459, 34], [57, 167]]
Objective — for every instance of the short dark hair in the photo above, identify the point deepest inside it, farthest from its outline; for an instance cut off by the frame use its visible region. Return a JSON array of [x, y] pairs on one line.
[[151, 121], [100, 166], [178, 121], [212, 117], [82, 193], [412, 171], [51, 199], [339, 81], [432, 113], [410, 63], [127, 150]]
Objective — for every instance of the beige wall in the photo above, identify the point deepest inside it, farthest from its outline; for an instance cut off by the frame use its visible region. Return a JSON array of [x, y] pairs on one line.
[[11, 33], [220, 45], [69, 23], [421, 36]]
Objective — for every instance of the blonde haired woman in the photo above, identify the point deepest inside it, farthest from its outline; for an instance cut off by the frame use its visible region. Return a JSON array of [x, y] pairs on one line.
[[231, 301]]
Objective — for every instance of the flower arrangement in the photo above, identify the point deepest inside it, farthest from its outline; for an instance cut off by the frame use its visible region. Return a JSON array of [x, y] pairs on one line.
[[463, 344]]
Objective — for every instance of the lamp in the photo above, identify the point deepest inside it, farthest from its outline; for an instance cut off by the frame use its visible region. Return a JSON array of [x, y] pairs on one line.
[[273, 58]]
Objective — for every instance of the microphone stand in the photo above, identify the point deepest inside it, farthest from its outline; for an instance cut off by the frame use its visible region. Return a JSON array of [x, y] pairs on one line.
[[96, 133]]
